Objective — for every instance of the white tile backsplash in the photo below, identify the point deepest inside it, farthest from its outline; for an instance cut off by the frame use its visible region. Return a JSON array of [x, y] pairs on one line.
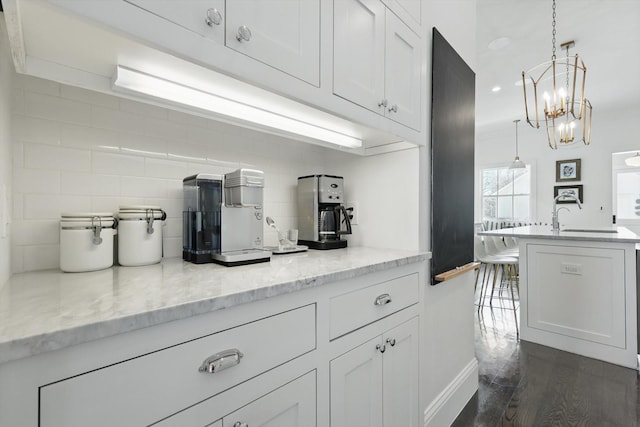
[[38, 156], [56, 108], [76, 150]]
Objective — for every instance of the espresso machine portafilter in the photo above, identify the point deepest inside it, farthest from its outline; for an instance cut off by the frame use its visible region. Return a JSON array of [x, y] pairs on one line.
[[322, 216]]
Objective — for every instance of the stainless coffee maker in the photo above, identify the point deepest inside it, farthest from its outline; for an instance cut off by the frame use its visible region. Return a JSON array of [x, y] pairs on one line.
[[322, 216], [222, 218]]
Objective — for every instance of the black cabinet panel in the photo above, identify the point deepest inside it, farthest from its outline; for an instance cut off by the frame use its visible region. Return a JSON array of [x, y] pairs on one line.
[[452, 158]]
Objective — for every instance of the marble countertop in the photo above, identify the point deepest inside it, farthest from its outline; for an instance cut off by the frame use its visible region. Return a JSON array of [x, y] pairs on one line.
[[49, 310], [593, 234]]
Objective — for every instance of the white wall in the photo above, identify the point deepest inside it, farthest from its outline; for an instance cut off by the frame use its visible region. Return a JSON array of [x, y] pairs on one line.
[[6, 74], [612, 131]]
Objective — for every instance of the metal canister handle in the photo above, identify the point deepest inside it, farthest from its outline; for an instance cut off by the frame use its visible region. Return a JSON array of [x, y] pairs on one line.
[[382, 299], [220, 361], [97, 229]]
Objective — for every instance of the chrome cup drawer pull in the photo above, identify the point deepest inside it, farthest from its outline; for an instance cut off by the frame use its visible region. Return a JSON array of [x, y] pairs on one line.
[[221, 361], [382, 299]]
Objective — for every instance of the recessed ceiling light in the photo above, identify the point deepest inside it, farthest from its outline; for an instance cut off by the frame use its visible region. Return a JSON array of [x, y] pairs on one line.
[[499, 43], [496, 89]]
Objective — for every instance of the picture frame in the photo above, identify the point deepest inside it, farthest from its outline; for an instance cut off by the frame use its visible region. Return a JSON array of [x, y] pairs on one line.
[[568, 170], [575, 189]]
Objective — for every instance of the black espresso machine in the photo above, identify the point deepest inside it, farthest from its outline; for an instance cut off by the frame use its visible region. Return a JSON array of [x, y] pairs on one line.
[[322, 216]]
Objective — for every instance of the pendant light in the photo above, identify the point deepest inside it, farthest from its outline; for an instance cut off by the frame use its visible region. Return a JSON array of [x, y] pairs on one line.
[[554, 94], [517, 163], [633, 160]]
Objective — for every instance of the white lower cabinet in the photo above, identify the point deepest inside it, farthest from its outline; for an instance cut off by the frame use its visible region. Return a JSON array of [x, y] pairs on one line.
[[376, 383], [292, 405]]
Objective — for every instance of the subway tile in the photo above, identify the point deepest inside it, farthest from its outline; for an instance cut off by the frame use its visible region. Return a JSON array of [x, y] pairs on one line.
[[55, 108], [190, 120], [17, 259], [142, 109], [89, 96], [141, 145], [173, 227], [89, 138], [175, 188], [35, 181], [18, 206], [167, 130], [89, 184], [117, 164], [172, 247], [131, 186], [173, 207], [30, 129], [107, 204], [50, 206], [38, 156], [159, 168], [41, 257], [36, 232], [121, 121], [35, 84], [17, 101], [17, 152]]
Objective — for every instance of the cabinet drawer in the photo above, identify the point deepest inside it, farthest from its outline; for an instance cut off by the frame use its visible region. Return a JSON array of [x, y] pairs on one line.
[[147, 388], [358, 308]]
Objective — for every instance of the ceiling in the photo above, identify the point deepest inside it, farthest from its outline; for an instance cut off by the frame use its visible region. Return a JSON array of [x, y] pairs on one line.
[[607, 36]]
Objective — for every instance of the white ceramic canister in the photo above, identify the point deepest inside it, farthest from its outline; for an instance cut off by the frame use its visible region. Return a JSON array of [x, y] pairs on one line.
[[86, 241], [140, 235]]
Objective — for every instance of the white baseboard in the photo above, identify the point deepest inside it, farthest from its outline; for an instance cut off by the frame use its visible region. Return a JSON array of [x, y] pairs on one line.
[[444, 409]]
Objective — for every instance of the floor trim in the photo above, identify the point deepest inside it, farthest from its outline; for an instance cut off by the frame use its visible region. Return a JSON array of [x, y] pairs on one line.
[[444, 409]]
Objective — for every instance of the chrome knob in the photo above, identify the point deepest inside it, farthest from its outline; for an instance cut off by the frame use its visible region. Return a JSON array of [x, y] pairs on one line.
[[240, 424], [243, 34], [393, 108], [382, 103], [391, 341], [381, 348], [213, 17]]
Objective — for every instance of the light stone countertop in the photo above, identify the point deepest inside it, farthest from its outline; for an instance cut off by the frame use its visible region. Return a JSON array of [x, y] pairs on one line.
[[49, 310], [592, 234]]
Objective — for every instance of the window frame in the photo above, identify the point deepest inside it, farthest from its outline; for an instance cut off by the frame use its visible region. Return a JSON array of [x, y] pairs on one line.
[[531, 194]]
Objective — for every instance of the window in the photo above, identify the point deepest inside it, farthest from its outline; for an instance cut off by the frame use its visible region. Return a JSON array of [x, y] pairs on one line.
[[627, 194], [506, 194]]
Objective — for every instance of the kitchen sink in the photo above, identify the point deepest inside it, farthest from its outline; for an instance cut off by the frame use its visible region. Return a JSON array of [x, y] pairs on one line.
[[592, 230]]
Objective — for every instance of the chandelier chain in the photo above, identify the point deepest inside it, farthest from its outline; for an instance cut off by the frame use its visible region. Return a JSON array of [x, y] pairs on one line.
[[553, 32]]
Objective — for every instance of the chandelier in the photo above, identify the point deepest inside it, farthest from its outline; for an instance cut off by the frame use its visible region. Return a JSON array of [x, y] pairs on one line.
[[554, 94]]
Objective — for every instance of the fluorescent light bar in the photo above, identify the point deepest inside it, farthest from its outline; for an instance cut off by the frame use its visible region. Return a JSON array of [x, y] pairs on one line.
[[129, 80]]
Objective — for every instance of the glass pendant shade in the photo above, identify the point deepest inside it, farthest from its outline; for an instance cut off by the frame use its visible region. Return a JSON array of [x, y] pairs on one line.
[[517, 163]]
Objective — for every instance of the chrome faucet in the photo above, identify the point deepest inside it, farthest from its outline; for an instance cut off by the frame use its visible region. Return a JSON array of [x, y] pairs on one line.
[[555, 224]]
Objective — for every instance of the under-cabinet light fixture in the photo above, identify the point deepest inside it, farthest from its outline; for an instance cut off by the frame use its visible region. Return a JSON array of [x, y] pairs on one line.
[[137, 82]]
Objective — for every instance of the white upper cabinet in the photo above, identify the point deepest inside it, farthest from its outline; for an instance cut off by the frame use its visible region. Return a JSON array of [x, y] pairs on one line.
[[204, 17], [410, 11], [377, 60], [402, 76], [282, 33]]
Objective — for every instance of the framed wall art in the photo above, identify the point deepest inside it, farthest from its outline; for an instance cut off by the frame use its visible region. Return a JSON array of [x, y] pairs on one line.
[[575, 190], [568, 170]]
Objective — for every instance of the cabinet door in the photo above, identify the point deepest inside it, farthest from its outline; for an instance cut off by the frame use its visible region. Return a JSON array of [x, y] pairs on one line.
[[216, 424], [292, 405], [402, 73], [400, 373], [205, 17], [356, 387], [358, 52], [284, 34]]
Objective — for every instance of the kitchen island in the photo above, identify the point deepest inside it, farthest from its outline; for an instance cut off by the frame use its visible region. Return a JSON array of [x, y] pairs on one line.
[[578, 290], [301, 341]]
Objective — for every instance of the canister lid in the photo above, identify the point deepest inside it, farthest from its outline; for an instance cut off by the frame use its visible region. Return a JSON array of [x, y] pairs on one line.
[[141, 212], [87, 219]]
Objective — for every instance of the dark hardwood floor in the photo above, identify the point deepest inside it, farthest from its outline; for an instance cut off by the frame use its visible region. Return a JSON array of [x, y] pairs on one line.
[[526, 384]]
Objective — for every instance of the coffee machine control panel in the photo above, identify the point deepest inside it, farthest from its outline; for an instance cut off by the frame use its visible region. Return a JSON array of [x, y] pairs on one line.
[[330, 189]]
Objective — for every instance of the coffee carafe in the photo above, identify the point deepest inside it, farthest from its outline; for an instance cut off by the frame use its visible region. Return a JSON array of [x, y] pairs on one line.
[[322, 216]]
